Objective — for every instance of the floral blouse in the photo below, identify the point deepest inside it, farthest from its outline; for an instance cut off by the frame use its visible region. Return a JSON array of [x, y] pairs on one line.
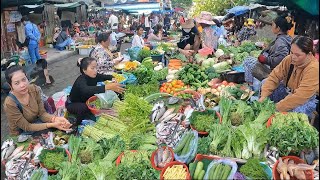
[[104, 60], [209, 38]]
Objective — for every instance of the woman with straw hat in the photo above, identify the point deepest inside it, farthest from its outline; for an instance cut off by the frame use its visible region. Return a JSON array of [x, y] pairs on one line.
[[190, 39], [208, 37]]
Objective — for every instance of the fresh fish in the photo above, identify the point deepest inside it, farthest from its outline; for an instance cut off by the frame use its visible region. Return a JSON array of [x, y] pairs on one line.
[[17, 156], [167, 113], [160, 152], [23, 138], [158, 105], [7, 143], [160, 113], [156, 159], [166, 154], [50, 140], [16, 151], [27, 155], [7, 152], [168, 118], [153, 115], [173, 100], [36, 147], [37, 153]]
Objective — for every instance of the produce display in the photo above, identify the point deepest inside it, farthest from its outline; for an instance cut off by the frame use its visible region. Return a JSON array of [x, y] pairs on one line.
[[178, 119]]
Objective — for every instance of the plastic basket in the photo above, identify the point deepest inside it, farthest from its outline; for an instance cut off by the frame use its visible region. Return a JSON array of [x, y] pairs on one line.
[[54, 171], [204, 132], [157, 57], [153, 156], [170, 165], [276, 175], [94, 110]]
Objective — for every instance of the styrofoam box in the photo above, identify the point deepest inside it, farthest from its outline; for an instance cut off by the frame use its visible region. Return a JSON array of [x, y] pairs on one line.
[[85, 51]]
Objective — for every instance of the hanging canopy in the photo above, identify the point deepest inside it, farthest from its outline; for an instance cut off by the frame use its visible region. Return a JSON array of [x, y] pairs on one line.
[[68, 5], [238, 10], [140, 7]]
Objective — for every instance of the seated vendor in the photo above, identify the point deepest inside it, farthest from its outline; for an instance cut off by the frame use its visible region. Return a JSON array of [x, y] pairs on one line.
[[137, 38], [296, 89], [102, 53], [157, 34], [24, 108], [63, 40], [190, 39], [86, 86]]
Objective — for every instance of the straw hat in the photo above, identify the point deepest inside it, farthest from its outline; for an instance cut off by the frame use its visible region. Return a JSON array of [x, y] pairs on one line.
[[76, 24], [188, 24], [205, 18]]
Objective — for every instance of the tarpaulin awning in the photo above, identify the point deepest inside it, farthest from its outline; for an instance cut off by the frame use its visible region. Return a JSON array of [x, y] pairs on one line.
[[68, 5], [11, 3], [238, 10], [33, 6], [136, 7]]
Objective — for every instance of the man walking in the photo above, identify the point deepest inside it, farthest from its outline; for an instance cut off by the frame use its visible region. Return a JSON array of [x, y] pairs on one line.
[[32, 39]]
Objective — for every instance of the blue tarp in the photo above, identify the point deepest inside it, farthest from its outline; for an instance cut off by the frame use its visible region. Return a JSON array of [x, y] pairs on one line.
[[238, 10]]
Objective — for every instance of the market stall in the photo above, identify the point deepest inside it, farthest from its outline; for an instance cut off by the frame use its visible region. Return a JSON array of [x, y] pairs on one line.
[[183, 118]]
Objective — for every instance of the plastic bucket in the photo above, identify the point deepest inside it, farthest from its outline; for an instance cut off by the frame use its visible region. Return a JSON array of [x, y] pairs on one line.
[[59, 98]]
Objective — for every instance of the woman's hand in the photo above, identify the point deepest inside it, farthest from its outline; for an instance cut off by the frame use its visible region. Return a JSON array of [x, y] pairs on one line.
[[60, 125], [118, 59], [116, 87], [187, 53], [63, 120], [262, 99]]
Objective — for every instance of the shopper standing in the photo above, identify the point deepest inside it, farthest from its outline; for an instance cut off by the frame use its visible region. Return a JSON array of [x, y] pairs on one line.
[[32, 39]]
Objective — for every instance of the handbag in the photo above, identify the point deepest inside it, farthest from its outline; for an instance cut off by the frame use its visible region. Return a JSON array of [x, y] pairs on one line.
[[260, 71]]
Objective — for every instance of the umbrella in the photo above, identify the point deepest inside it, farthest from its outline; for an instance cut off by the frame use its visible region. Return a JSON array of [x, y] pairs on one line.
[[238, 10], [178, 9]]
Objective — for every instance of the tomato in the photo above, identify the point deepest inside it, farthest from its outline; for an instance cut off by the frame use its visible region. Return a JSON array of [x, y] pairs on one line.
[[225, 83], [231, 84]]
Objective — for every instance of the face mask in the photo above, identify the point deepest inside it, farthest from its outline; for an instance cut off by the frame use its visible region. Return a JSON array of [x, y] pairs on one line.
[[187, 30]]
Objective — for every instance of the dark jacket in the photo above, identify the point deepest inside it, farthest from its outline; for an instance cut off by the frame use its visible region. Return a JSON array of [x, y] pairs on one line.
[[85, 87], [278, 50], [62, 37]]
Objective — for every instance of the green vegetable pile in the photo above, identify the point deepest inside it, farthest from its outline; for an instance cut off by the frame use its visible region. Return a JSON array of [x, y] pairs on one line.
[[52, 159], [204, 144], [143, 90], [143, 53], [253, 169], [145, 73], [219, 171], [292, 133], [196, 76], [241, 52], [179, 56], [202, 121]]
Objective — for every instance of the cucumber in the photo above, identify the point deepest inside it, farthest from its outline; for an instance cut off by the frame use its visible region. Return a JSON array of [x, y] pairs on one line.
[[198, 170], [201, 175], [192, 168], [182, 143], [186, 147], [216, 171], [219, 174], [211, 172], [226, 172]]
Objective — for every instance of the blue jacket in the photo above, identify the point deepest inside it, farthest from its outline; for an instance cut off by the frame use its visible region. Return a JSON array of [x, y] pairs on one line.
[[32, 32]]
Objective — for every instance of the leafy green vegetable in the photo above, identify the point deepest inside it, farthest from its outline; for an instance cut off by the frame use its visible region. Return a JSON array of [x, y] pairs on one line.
[[226, 151], [179, 56], [137, 170], [203, 145], [253, 169], [143, 53], [74, 147], [225, 107], [52, 159], [237, 143], [139, 141], [102, 170], [143, 90], [256, 138], [263, 110], [69, 171], [202, 121], [90, 151], [292, 133], [219, 134], [239, 57], [112, 148], [241, 113]]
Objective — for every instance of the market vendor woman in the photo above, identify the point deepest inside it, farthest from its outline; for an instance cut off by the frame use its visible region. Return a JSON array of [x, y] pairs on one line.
[[24, 108], [86, 86], [294, 83]]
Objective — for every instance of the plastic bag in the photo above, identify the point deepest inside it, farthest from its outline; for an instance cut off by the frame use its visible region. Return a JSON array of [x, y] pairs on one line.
[[107, 99], [44, 173], [134, 53], [130, 79], [231, 163], [193, 150]]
